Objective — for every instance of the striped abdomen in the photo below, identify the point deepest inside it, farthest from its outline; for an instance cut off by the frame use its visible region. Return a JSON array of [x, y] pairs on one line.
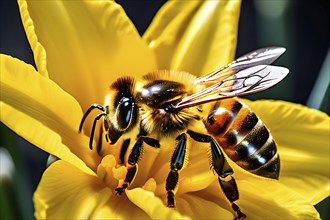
[[244, 138]]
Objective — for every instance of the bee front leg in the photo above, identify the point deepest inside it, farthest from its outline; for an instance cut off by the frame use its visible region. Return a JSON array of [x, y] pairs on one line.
[[223, 169], [134, 157], [177, 162]]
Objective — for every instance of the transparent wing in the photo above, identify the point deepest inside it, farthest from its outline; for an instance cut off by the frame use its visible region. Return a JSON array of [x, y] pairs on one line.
[[263, 56], [247, 74]]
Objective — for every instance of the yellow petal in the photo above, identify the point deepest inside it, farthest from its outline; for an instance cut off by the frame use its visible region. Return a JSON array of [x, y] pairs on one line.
[[38, 134], [88, 45], [273, 201], [34, 104], [23, 88], [152, 205], [197, 207], [65, 192], [194, 36], [302, 135], [39, 52], [261, 198]]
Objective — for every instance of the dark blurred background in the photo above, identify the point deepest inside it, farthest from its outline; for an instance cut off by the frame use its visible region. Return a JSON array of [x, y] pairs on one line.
[[301, 26]]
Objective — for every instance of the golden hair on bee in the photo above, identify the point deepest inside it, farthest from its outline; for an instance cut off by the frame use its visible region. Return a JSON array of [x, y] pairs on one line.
[[172, 86]]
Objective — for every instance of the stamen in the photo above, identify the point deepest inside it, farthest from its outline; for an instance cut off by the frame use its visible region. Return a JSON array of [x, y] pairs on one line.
[[107, 172], [150, 185], [119, 173]]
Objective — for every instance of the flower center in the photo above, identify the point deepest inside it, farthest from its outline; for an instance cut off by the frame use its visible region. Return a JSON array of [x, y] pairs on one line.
[[110, 172], [113, 174]]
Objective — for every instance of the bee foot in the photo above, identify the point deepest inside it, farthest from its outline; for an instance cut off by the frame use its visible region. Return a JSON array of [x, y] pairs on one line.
[[240, 215], [170, 199], [121, 189]]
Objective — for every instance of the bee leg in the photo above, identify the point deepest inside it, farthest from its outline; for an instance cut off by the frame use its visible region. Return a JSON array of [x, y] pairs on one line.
[[226, 180], [223, 169], [93, 129], [123, 151], [177, 162], [229, 187], [133, 159]]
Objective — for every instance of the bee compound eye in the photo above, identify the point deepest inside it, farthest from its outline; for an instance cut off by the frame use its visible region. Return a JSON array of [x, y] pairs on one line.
[[124, 112]]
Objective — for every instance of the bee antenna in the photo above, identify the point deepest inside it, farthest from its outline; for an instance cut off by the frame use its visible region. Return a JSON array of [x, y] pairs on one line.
[[94, 106]]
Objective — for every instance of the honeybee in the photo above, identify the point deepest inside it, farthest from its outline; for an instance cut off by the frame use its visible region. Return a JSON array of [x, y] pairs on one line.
[[171, 104]]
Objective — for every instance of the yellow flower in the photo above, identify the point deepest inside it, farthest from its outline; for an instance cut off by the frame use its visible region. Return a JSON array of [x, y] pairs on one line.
[[80, 47]]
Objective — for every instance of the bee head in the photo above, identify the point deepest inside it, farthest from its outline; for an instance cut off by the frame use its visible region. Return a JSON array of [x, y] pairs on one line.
[[122, 109]]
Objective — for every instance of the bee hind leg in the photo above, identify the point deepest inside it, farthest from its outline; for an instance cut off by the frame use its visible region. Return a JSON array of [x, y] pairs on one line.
[[176, 164], [229, 187], [223, 170]]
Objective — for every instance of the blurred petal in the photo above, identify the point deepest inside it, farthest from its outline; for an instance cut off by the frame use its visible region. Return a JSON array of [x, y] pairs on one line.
[[302, 135], [41, 112], [194, 36], [39, 52], [7, 166], [152, 205], [88, 45]]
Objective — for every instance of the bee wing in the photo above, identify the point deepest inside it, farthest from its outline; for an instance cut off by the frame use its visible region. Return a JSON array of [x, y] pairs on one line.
[[263, 56], [248, 74]]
